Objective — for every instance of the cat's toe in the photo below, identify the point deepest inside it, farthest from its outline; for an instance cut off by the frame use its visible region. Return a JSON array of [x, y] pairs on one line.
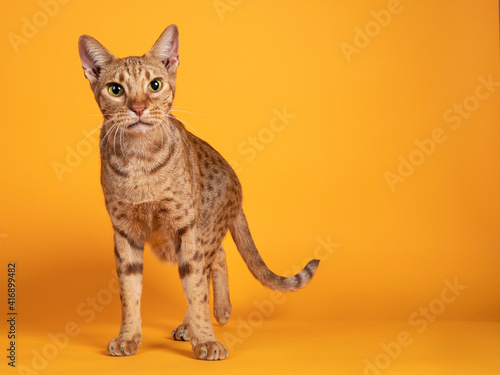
[[119, 347], [182, 333], [210, 351]]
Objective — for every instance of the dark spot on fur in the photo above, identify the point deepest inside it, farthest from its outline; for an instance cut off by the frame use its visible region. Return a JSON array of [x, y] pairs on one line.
[[309, 272], [298, 279], [138, 245], [184, 270], [182, 230], [134, 268], [178, 245], [117, 254], [197, 256], [205, 298], [122, 217]]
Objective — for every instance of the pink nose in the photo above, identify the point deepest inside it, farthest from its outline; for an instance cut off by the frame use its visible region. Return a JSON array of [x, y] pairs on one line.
[[138, 110]]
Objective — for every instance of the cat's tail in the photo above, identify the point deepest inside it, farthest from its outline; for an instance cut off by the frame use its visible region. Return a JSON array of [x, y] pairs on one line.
[[244, 242]]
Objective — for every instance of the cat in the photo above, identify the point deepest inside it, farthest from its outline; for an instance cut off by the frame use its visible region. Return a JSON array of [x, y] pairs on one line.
[[165, 186]]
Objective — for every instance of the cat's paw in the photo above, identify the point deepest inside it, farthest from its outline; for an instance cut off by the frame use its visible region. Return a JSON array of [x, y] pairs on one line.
[[182, 333], [119, 347], [222, 312], [210, 351]]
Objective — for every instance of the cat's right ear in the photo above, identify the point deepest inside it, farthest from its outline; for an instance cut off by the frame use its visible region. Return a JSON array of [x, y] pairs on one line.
[[94, 57]]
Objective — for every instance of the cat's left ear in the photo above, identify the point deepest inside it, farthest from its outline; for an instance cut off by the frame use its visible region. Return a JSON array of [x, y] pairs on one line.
[[166, 49]]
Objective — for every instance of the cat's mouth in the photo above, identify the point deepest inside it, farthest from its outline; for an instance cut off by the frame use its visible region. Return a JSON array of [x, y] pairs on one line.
[[140, 126]]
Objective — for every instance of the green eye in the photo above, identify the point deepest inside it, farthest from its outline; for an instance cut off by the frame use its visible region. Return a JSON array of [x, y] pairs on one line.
[[155, 85], [115, 89]]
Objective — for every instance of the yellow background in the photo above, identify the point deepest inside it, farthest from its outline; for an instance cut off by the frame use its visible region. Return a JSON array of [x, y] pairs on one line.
[[321, 178]]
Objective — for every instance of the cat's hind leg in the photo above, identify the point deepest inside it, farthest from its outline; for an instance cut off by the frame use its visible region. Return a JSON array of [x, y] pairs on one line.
[[220, 282]]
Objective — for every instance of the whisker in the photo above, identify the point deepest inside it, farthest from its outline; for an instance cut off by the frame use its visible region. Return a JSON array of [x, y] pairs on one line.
[[100, 126], [93, 105], [161, 132], [121, 144], [193, 113], [167, 131], [180, 134], [184, 122], [171, 137], [114, 141], [100, 146]]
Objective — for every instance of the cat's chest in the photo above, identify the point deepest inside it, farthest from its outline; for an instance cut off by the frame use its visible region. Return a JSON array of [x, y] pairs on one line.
[[146, 179]]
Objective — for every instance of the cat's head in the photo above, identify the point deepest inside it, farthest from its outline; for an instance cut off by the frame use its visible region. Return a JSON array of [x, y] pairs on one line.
[[134, 93]]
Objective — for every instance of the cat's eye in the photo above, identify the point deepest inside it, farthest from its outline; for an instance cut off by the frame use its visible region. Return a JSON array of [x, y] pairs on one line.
[[115, 89], [155, 85]]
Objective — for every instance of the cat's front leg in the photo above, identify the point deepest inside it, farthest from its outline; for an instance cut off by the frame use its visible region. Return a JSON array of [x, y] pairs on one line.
[[193, 274], [129, 261]]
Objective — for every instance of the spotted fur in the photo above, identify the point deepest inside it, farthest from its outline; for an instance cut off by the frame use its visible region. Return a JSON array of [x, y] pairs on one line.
[[167, 187]]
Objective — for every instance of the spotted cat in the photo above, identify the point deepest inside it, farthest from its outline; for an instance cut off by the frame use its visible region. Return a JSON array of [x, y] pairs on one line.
[[167, 187]]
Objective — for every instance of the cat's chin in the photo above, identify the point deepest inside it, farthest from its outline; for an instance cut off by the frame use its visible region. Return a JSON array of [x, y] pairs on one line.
[[139, 127]]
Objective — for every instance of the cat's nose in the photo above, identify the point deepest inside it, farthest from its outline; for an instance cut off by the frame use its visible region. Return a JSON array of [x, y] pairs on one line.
[[138, 109]]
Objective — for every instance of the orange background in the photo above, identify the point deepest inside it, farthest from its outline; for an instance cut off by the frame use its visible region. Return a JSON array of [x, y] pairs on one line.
[[321, 177]]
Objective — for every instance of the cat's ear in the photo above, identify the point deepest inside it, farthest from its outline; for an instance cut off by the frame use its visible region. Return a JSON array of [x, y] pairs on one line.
[[166, 49], [94, 57]]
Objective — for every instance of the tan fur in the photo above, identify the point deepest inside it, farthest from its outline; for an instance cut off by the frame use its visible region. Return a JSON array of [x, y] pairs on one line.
[[165, 186]]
